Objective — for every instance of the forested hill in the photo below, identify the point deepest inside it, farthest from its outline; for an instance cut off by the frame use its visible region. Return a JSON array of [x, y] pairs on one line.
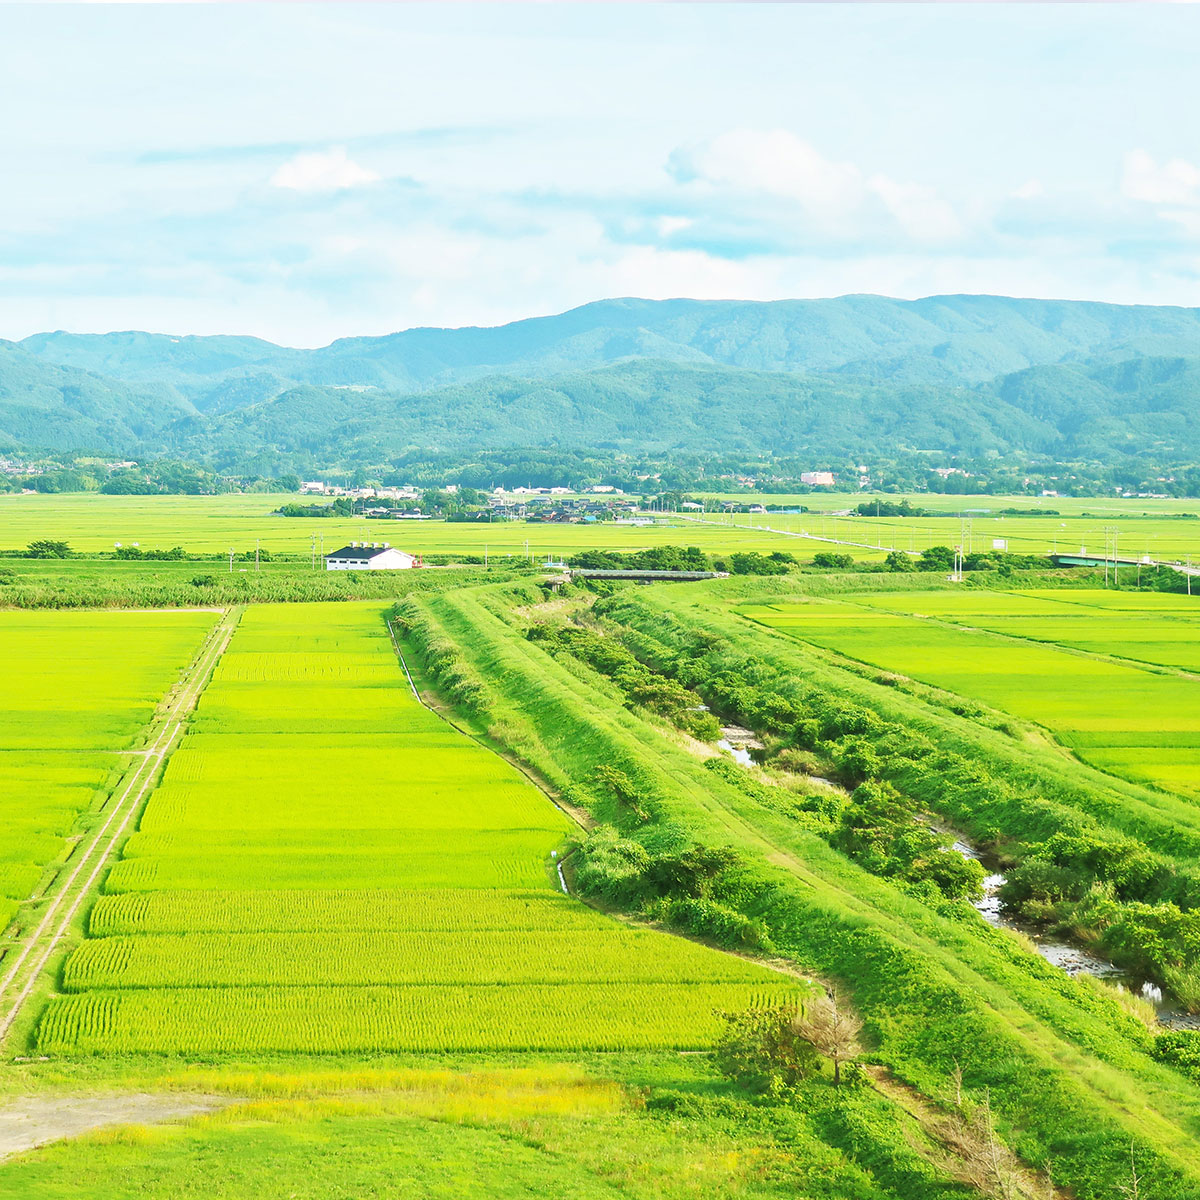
[[854, 375], [941, 339]]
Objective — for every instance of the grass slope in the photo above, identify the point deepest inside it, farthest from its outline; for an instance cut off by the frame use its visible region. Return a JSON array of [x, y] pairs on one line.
[[1068, 1071]]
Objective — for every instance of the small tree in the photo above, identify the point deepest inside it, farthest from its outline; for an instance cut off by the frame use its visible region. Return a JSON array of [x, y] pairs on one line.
[[987, 1163], [937, 558], [830, 561], [45, 548], [832, 1028], [762, 1049]]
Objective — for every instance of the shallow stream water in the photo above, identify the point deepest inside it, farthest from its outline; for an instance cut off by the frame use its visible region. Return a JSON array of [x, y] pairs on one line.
[[740, 753], [1072, 959]]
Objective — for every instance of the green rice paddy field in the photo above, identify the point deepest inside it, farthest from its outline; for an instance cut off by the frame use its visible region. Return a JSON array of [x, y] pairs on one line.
[[75, 689], [328, 866], [214, 524], [1108, 508], [1107, 673], [1161, 538]]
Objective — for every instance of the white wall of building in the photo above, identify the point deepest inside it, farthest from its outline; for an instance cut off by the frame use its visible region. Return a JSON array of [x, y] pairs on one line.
[[390, 559]]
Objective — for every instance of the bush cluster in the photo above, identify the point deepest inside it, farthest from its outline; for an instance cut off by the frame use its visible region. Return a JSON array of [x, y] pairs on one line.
[[695, 889], [640, 685]]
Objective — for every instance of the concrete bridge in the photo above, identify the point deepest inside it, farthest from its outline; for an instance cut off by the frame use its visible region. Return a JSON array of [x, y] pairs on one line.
[[1102, 560]]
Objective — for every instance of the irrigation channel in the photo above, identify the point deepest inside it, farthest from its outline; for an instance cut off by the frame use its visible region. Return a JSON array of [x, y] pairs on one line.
[[1071, 958]]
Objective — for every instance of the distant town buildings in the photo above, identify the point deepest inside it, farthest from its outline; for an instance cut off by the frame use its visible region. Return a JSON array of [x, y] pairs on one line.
[[817, 478]]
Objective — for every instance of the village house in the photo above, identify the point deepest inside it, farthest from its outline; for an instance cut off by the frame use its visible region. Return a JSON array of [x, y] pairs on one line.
[[370, 556]]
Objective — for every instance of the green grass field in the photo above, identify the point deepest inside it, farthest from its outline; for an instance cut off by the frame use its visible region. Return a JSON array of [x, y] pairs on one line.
[[379, 808], [296, 1132], [1157, 537], [331, 882], [75, 689], [1012, 651]]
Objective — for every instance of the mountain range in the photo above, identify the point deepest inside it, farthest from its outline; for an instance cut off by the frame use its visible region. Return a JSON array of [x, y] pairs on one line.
[[853, 375]]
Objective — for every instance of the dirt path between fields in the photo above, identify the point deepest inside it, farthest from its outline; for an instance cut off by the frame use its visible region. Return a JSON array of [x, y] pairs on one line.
[[37, 1120], [30, 956]]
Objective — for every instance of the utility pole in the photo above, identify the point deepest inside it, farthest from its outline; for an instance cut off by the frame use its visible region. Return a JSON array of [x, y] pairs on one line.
[[231, 560], [256, 540]]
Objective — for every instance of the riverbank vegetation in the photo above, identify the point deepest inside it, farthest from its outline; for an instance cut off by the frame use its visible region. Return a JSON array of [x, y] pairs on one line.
[[735, 856]]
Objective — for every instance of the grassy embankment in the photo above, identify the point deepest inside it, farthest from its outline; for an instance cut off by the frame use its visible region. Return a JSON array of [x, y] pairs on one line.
[[1068, 1070], [1103, 857]]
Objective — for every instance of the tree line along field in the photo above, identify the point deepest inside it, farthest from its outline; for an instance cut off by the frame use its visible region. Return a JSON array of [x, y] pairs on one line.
[[1108, 508], [1014, 652], [75, 689], [327, 866]]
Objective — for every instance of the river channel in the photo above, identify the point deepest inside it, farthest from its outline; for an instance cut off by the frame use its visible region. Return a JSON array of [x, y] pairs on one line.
[[1072, 959]]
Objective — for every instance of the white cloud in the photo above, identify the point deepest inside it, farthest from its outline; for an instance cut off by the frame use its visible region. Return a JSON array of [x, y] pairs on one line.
[[918, 210], [667, 226], [1031, 189], [780, 164], [331, 171], [837, 197], [1174, 183]]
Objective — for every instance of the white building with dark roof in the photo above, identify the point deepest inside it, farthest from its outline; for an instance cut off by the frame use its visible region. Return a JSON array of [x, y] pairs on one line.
[[369, 556]]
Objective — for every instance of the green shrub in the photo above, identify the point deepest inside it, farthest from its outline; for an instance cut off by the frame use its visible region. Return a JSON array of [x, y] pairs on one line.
[[762, 1050], [1181, 1049]]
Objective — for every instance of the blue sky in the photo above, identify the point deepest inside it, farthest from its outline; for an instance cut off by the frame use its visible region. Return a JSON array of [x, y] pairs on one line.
[[309, 172]]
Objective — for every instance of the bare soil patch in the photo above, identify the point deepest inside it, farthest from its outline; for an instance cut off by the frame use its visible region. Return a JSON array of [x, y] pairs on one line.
[[36, 1120]]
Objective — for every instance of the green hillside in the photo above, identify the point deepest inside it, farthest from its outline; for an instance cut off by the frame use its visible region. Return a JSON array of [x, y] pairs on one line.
[[47, 407], [968, 338], [858, 375]]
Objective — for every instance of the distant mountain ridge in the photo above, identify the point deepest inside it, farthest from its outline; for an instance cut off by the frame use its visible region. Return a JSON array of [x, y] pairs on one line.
[[969, 338], [845, 375]]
